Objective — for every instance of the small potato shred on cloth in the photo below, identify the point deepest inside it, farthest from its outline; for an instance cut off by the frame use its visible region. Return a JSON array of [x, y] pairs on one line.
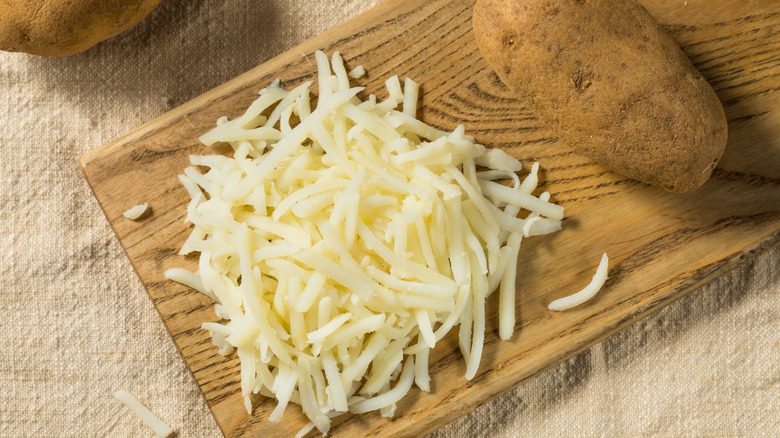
[[341, 242]]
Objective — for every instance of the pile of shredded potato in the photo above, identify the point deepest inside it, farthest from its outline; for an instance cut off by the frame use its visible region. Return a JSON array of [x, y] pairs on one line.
[[341, 242]]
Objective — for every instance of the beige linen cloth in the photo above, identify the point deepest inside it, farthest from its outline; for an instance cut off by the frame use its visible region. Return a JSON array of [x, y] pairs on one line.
[[76, 324]]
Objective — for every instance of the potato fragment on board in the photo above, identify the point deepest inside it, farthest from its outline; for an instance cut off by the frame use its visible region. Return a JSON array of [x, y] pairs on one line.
[[136, 212], [588, 292]]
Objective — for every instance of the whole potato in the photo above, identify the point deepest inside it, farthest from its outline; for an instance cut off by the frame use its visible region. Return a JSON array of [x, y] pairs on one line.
[[607, 79], [65, 27]]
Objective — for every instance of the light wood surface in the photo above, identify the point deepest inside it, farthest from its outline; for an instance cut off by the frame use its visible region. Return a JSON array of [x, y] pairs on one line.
[[661, 245]]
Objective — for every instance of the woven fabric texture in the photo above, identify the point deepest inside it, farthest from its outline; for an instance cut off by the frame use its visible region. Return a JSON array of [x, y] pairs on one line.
[[76, 324]]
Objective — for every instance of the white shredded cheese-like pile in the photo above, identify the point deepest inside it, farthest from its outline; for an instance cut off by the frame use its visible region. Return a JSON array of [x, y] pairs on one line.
[[341, 242]]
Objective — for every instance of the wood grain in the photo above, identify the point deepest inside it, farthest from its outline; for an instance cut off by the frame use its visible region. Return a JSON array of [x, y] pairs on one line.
[[661, 245]]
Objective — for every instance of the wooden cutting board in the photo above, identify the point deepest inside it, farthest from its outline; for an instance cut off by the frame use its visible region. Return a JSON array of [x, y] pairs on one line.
[[661, 245]]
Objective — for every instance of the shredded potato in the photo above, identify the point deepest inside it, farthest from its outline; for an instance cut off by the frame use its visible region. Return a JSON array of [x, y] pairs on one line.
[[154, 422], [343, 241], [588, 292], [135, 212]]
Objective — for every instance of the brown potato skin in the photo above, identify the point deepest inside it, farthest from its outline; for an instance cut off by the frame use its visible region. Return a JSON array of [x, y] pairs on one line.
[[609, 81], [66, 27]]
